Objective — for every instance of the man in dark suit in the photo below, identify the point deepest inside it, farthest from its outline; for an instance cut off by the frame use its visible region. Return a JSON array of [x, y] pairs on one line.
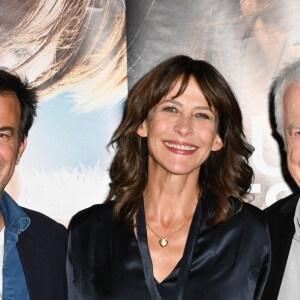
[[284, 216], [32, 246]]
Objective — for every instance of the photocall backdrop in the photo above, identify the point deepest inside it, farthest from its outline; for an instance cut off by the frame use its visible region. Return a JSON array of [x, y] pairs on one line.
[[78, 53]]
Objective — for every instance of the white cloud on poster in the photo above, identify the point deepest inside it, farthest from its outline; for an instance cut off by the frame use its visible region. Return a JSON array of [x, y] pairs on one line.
[[62, 193]]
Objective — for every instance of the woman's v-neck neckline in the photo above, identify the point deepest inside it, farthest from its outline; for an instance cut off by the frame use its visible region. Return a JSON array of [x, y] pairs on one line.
[[170, 275], [184, 263]]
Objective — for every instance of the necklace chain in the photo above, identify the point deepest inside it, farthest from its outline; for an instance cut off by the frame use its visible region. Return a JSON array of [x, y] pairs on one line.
[[163, 241]]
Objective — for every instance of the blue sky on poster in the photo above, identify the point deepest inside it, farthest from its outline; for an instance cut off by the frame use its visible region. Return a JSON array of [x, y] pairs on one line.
[[63, 138]]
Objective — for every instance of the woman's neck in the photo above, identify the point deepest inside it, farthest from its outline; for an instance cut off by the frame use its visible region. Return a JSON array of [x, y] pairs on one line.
[[170, 198]]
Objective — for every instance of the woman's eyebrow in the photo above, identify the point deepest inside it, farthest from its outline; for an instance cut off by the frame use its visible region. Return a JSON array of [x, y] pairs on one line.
[[203, 108], [174, 102], [180, 104]]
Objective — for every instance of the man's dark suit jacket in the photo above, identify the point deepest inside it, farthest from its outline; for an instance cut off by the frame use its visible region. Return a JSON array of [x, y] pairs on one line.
[[42, 249], [280, 217]]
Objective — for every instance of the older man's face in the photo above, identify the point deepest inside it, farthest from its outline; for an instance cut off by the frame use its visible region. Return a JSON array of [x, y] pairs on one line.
[[291, 118]]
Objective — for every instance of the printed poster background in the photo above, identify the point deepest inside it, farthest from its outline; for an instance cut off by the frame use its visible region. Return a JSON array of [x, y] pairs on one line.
[[75, 52], [248, 41]]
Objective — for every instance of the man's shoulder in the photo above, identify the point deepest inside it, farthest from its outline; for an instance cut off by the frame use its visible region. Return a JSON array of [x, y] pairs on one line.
[[39, 220], [280, 215], [44, 231], [283, 206]]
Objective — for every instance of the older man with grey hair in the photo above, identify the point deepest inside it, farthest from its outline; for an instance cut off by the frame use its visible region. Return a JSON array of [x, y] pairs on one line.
[[284, 216]]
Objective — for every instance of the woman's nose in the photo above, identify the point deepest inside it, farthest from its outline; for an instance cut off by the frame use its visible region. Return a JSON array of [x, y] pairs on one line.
[[183, 125]]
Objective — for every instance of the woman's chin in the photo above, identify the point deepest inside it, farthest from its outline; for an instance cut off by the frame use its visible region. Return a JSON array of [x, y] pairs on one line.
[[182, 170]]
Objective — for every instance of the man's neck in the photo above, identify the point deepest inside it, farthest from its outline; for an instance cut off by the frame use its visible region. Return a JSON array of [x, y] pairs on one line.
[[1, 221], [1, 216]]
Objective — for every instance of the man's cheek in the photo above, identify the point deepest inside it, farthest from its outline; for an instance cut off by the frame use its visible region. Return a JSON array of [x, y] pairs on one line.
[[293, 159], [295, 153]]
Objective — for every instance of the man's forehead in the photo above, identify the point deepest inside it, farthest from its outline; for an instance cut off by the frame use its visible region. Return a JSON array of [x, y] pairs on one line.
[[11, 95], [9, 103], [7, 93], [292, 91], [291, 104]]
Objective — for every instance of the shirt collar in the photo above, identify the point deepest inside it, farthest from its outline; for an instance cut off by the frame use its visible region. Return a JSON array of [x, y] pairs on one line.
[[297, 219], [15, 218]]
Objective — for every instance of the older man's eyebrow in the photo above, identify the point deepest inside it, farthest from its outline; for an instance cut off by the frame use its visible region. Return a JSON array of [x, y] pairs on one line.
[[293, 126], [180, 104]]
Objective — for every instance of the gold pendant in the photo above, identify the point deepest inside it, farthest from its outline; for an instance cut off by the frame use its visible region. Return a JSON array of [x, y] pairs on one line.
[[163, 242]]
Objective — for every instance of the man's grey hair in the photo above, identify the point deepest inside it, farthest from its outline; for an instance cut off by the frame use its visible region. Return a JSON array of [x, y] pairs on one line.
[[288, 75]]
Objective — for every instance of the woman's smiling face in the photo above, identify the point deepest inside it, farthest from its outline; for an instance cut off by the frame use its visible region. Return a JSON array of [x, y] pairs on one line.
[[181, 131]]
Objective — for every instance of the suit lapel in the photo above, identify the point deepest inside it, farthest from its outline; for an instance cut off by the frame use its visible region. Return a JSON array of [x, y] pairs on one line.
[[282, 229], [286, 229]]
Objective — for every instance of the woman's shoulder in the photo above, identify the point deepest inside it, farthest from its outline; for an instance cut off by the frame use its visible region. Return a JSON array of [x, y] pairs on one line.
[[251, 211], [94, 215], [242, 212], [250, 218]]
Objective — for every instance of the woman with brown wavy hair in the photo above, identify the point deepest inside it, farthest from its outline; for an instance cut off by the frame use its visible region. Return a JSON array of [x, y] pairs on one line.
[[174, 225]]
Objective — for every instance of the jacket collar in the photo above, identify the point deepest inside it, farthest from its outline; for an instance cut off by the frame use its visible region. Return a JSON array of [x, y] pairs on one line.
[[15, 219]]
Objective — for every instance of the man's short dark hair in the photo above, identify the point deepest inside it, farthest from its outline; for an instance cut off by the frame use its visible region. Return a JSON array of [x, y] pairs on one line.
[[26, 95]]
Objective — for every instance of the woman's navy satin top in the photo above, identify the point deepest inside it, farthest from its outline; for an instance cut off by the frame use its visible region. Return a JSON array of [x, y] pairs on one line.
[[230, 261]]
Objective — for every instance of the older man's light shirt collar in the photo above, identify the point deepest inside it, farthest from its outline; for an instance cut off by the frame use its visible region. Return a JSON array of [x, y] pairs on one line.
[[297, 221]]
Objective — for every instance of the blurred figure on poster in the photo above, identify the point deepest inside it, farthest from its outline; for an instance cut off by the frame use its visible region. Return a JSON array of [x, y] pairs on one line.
[[174, 225], [67, 45], [32, 246], [284, 215]]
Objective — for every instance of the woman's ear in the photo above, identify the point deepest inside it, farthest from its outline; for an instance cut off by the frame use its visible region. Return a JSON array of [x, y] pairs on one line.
[[142, 130], [217, 143]]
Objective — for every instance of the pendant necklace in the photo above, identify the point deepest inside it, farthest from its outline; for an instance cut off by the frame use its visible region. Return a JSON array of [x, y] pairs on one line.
[[163, 241], [196, 230]]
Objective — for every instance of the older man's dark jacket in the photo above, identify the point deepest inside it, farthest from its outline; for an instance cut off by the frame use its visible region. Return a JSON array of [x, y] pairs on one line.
[[280, 217]]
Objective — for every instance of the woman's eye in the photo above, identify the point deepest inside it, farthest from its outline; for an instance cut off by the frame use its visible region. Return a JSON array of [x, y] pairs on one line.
[[203, 116], [170, 109]]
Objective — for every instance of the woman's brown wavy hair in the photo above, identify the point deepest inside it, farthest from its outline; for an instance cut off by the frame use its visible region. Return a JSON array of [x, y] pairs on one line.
[[226, 173]]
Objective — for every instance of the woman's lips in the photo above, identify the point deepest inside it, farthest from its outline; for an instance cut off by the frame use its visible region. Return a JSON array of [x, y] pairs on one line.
[[180, 148]]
